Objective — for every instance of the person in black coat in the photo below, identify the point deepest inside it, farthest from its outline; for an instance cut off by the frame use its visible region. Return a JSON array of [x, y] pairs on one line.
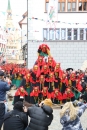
[[83, 84], [40, 115], [16, 119]]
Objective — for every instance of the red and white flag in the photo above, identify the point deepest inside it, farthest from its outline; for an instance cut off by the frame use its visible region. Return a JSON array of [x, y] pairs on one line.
[[53, 10]]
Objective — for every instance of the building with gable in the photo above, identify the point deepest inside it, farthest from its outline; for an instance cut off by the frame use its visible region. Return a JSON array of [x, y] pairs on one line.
[[13, 46]]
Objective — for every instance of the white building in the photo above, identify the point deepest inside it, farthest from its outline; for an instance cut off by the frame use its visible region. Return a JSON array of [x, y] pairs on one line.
[[2, 41], [13, 45], [67, 37]]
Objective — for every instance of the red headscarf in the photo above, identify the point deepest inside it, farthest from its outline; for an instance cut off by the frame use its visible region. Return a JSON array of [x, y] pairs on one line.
[[21, 92], [35, 92], [68, 94], [56, 94]]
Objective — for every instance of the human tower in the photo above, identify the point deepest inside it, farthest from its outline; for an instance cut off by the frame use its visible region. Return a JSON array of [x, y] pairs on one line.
[[44, 80]]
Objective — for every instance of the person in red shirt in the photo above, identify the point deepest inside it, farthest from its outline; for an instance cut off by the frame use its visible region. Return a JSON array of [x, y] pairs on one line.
[[44, 50], [64, 83], [51, 82], [51, 63], [56, 96], [45, 71], [41, 82], [34, 95], [68, 95], [20, 94], [35, 73], [40, 62], [58, 70], [45, 94]]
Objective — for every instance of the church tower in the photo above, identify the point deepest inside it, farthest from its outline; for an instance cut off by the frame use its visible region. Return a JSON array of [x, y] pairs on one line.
[[9, 21]]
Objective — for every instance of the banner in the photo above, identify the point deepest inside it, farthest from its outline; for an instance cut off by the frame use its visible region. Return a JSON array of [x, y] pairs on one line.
[[53, 12]]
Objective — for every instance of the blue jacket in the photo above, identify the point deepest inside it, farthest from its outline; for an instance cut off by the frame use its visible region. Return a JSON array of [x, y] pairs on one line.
[[3, 88], [75, 124]]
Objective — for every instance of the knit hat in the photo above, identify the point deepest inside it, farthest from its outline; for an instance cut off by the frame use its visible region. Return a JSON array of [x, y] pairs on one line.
[[1, 73], [48, 102], [19, 106]]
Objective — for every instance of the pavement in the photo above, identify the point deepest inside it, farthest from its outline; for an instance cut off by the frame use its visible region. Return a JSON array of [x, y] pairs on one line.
[[55, 125]]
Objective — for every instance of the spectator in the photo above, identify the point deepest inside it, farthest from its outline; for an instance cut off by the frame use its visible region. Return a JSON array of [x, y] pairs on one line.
[[17, 119], [84, 96], [83, 84], [40, 115], [3, 88], [70, 116], [85, 77]]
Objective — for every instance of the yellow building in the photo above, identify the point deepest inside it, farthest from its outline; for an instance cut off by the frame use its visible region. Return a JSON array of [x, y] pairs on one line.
[[13, 46]]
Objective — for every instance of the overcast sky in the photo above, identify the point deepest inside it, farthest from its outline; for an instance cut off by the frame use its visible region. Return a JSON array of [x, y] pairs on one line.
[[18, 8]]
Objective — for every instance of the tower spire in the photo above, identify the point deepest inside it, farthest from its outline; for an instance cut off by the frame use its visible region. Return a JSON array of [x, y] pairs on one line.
[[9, 5], [9, 23]]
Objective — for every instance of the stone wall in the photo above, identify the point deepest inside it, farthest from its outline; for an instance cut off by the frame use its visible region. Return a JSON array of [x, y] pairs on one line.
[[69, 54]]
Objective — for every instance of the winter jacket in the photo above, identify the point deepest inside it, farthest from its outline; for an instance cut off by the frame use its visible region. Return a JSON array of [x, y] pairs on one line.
[[75, 124], [15, 120], [40, 117], [3, 88], [85, 78]]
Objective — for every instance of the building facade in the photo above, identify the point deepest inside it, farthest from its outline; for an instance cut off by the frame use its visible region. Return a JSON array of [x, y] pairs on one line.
[[66, 36], [13, 45], [2, 41]]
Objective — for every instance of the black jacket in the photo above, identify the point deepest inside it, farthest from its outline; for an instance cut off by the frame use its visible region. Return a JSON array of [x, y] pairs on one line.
[[40, 117], [85, 78], [15, 120]]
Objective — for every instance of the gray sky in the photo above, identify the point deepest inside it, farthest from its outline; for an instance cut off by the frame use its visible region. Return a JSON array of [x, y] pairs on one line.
[[18, 8]]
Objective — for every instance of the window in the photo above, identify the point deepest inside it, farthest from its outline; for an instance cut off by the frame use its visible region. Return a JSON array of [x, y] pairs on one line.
[[75, 33], [57, 36], [82, 5], [45, 34], [63, 34], [61, 5], [69, 33], [46, 5], [86, 34], [81, 33], [51, 34], [71, 5]]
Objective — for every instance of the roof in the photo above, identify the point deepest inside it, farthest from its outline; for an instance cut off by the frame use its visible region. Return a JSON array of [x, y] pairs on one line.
[[24, 16], [9, 5]]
